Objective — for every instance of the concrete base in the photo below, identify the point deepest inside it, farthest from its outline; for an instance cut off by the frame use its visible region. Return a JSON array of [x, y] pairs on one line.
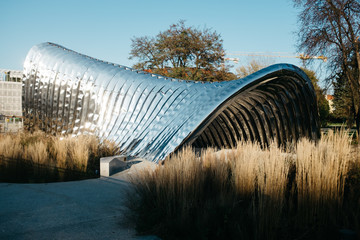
[[112, 165]]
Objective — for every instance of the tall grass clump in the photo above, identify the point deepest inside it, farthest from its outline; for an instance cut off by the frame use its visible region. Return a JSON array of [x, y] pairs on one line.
[[36, 153], [235, 193], [78, 150], [58, 151], [250, 192], [58, 154], [10, 146], [320, 177]]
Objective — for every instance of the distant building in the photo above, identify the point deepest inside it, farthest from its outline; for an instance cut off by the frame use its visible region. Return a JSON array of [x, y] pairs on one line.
[[330, 99], [10, 92], [11, 75]]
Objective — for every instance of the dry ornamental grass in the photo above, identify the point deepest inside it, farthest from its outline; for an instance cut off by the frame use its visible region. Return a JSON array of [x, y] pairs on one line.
[[309, 191], [80, 154], [251, 193]]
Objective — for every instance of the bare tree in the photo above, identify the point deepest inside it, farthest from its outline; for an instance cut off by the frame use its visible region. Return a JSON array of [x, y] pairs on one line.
[[332, 28], [253, 65]]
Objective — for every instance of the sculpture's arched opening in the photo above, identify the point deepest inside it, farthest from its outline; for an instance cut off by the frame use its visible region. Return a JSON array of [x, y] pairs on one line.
[[279, 110]]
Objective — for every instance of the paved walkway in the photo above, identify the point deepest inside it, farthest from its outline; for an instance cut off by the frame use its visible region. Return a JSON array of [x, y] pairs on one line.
[[88, 209]]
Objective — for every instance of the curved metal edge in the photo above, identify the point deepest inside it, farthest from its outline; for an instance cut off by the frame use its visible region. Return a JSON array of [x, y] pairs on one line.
[[258, 78]]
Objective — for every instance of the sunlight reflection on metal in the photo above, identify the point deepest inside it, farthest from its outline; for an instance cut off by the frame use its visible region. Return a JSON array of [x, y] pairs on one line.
[[151, 116]]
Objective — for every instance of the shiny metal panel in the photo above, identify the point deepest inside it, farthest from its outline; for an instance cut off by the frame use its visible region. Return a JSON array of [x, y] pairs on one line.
[[151, 116]]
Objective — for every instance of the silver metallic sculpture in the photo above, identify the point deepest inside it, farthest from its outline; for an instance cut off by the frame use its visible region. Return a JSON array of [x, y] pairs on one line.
[[151, 116]]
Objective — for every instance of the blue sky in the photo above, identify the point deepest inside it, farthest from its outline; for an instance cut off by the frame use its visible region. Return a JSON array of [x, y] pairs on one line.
[[103, 29]]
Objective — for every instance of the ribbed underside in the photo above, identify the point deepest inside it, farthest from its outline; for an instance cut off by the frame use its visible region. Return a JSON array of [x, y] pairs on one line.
[[278, 110]]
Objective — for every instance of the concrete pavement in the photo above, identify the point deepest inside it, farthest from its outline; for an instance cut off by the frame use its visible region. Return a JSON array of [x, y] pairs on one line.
[[88, 209]]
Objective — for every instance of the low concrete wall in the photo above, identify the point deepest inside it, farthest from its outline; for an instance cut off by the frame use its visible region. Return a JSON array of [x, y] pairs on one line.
[[112, 165]]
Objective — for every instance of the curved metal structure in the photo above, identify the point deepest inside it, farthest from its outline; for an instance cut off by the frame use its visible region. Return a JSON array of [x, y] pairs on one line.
[[151, 116]]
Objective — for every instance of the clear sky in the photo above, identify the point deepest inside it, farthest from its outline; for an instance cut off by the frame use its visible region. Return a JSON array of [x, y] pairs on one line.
[[103, 29]]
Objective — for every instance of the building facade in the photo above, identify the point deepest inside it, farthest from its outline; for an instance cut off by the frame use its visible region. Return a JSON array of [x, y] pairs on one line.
[[11, 75], [10, 92], [10, 100]]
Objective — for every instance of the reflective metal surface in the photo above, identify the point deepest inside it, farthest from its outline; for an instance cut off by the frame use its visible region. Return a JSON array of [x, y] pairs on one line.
[[151, 116]]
